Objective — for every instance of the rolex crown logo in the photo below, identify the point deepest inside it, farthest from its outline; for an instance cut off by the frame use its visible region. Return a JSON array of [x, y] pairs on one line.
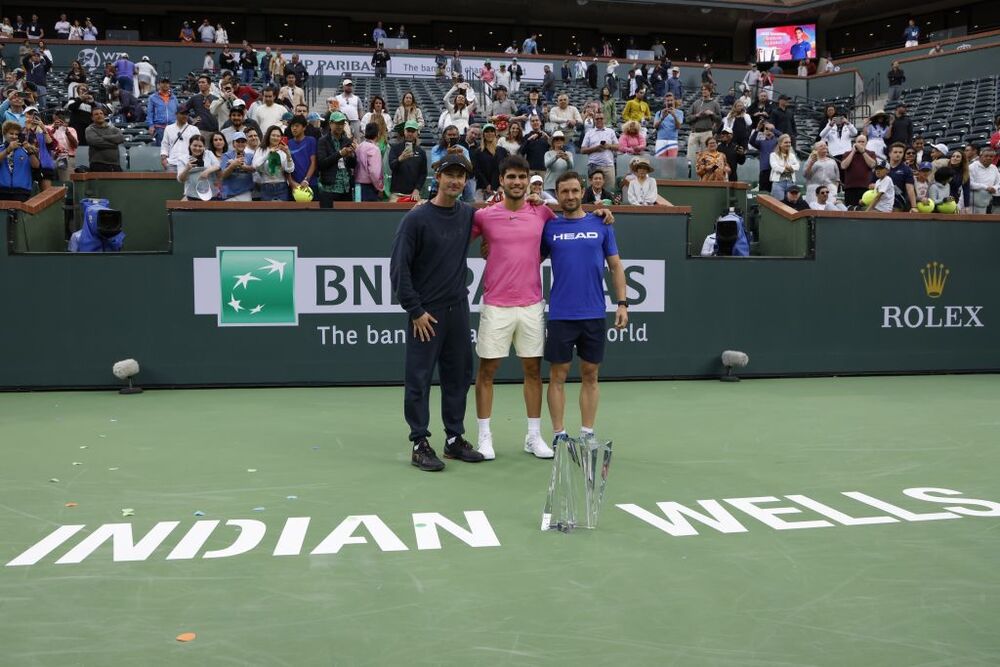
[[935, 276]]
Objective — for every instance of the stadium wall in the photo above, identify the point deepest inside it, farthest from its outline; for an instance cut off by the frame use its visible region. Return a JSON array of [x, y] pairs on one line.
[[858, 304]]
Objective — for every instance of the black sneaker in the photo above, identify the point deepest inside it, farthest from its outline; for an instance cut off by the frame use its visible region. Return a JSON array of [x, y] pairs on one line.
[[424, 457], [461, 449]]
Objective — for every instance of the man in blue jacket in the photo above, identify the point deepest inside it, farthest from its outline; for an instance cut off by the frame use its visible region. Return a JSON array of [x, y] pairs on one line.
[[764, 138], [161, 110]]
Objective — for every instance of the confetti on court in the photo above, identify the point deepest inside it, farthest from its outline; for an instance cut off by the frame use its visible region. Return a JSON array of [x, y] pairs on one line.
[[291, 497], [83, 446], [78, 463], [128, 511], [186, 637], [54, 479], [113, 469], [199, 513], [251, 470], [71, 504], [258, 509]]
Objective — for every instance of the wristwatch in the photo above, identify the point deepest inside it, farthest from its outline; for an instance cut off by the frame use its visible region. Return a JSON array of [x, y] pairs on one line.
[[623, 303]]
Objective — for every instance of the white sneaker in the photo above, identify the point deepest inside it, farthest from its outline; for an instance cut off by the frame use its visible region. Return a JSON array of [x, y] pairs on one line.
[[485, 446], [533, 444]]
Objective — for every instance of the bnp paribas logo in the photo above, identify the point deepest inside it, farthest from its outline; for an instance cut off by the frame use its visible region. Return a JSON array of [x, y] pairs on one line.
[[257, 287], [934, 277]]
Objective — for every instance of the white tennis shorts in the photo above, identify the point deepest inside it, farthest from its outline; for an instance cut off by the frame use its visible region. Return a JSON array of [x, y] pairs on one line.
[[499, 326]]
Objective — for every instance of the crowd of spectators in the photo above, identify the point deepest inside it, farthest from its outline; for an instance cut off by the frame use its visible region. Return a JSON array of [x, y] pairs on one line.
[[246, 132]]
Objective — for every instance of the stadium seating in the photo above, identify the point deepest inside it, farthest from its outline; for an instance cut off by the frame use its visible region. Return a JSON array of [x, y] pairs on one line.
[[956, 112]]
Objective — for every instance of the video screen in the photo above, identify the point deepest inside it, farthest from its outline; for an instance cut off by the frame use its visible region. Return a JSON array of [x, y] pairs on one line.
[[786, 42]]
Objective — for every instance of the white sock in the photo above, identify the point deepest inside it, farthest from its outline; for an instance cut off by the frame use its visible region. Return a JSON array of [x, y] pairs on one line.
[[586, 431], [484, 426], [561, 431], [534, 425], [451, 440]]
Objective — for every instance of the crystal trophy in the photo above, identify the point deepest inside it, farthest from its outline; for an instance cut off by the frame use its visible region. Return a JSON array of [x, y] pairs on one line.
[[576, 487]]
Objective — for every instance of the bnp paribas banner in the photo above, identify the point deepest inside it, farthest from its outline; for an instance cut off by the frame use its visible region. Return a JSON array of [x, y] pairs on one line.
[[273, 286]]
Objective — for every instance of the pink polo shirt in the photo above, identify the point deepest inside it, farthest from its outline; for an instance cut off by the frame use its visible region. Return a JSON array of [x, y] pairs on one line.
[[512, 276]]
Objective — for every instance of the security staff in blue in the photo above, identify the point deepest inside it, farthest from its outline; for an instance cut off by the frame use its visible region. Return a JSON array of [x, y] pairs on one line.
[[428, 271], [579, 244]]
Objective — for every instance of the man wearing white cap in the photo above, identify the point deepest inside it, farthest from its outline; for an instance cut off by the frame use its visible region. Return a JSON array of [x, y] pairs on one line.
[[146, 74], [674, 84], [350, 106]]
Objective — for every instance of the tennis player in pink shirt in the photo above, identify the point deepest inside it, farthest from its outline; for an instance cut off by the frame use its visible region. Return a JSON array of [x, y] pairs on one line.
[[513, 310]]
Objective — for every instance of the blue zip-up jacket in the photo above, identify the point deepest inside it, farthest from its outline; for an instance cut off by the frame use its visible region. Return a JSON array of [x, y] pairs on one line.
[[765, 146], [18, 178], [159, 112]]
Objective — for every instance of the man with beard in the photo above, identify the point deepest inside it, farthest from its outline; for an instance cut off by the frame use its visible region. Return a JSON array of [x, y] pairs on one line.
[[579, 246], [513, 310]]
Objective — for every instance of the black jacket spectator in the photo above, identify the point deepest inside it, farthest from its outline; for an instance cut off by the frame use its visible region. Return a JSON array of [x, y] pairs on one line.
[[487, 167], [590, 198], [227, 61], [783, 120], [299, 70], [896, 76], [734, 157], [248, 59], [901, 130], [36, 71], [79, 109], [407, 175], [535, 146], [757, 108], [328, 157], [131, 108], [198, 107]]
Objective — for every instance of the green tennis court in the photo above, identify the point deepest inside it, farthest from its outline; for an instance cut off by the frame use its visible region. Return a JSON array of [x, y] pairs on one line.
[[745, 586]]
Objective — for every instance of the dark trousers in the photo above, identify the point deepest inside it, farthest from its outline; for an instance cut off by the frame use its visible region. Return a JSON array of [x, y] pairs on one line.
[[852, 196], [450, 350], [765, 180], [104, 166], [326, 199]]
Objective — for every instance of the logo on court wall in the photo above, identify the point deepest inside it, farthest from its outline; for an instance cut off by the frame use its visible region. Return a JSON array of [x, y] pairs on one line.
[[934, 276], [256, 287]]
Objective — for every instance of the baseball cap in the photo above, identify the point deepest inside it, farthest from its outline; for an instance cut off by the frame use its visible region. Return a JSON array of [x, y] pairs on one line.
[[675, 69], [145, 59], [925, 166], [489, 126], [163, 79], [881, 164], [640, 162], [312, 116], [536, 179], [31, 110], [558, 134], [347, 82], [941, 148], [336, 117], [238, 103], [725, 131], [454, 160], [237, 136], [409, 125], [793, 188]]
